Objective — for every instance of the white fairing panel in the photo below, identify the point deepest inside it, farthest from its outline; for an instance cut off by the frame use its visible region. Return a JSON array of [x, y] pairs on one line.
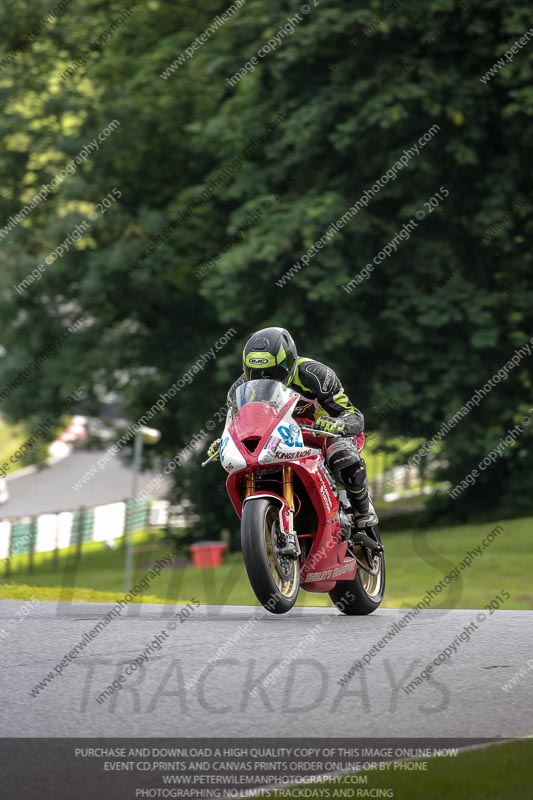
[[286, 443], [230, 458]]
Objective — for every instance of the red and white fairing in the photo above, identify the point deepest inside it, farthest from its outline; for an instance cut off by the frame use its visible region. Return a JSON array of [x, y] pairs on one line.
[[260, 436]]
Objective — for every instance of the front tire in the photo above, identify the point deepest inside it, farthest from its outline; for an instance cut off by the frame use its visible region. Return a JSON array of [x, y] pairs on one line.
[[275, 579], [365, 592]]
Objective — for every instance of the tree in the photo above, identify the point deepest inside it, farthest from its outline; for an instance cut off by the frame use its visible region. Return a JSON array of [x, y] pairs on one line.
[[225, 184]]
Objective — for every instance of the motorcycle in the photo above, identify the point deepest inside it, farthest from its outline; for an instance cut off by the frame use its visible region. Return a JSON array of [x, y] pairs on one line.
[[296, 531]]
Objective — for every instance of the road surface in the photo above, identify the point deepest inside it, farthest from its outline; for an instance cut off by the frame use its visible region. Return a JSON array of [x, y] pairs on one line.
[[224, 651], [50, 489]]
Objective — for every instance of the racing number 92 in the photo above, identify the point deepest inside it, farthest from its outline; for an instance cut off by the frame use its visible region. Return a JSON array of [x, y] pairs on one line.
[[291, 436]]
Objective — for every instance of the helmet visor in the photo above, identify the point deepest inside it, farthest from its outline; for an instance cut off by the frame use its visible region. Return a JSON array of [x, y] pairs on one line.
[[280, 372]]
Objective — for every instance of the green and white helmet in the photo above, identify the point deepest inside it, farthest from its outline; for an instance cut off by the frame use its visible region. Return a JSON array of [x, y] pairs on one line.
[[270, 353]]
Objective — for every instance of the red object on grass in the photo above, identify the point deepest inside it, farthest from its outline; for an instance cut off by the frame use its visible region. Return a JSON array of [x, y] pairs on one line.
[[208, 554]]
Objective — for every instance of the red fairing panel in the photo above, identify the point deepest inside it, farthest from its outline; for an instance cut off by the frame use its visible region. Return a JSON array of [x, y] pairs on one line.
[[327, 561], [252, 420]]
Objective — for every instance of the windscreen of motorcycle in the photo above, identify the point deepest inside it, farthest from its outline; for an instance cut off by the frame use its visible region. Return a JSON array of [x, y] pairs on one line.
[[270, 392], [285, 443]]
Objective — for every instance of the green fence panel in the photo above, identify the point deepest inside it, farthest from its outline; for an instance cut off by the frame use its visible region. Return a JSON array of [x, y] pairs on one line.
[[137, 514], [20, 536], [88, 525]]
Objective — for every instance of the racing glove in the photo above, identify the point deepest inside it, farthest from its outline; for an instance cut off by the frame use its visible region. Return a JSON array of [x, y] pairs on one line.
[[331, 425], [214, 450]]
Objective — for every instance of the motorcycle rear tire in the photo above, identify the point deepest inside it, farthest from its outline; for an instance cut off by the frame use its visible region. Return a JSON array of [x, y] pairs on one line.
[[362, 595]]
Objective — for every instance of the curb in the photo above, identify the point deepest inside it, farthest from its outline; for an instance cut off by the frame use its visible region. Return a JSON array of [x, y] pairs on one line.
[[21, 473]]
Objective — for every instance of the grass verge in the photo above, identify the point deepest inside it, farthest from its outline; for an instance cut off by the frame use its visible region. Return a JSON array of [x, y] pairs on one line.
[[11, 437], [416, 561], [498, 772], [23, 592]]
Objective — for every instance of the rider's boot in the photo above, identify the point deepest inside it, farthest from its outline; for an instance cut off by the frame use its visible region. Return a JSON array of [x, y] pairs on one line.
[[364, 518], [364, 513]]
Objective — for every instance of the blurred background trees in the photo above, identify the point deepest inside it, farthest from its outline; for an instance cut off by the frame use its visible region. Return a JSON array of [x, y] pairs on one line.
[[353, 88]]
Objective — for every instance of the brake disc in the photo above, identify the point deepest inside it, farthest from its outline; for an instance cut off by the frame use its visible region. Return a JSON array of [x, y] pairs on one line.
[[284, 564]]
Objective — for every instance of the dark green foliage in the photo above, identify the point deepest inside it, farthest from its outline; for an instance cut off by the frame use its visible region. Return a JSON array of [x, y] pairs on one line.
[[346, 93]]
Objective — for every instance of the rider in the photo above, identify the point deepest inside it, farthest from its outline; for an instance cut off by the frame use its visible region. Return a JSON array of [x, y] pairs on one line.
[[271, 353]]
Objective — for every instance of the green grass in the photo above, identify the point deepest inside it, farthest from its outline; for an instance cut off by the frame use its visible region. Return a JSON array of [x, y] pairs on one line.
[[11, 437], [102, 554], [416, 561], [498, 772], [21, 591]]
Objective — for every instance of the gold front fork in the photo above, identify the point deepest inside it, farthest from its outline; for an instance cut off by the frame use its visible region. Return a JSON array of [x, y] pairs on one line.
[[249, 484], [288, 487], [288, 496]]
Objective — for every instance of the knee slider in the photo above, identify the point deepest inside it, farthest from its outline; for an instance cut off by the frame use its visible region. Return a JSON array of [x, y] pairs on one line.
[[354, 477], [343, 458]]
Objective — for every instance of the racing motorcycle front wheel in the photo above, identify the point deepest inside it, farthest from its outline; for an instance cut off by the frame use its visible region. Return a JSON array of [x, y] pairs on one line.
[[275, 578]]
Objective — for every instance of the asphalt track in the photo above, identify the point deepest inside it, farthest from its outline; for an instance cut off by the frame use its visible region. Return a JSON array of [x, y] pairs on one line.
[[240, 645]]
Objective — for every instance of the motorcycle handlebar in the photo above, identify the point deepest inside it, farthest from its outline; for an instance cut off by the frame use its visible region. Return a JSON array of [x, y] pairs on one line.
[[317, 432], [211, 458]]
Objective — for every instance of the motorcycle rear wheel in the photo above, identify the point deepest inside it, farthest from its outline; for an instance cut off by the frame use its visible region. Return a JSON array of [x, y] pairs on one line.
[[365, 592], [275, 579]]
